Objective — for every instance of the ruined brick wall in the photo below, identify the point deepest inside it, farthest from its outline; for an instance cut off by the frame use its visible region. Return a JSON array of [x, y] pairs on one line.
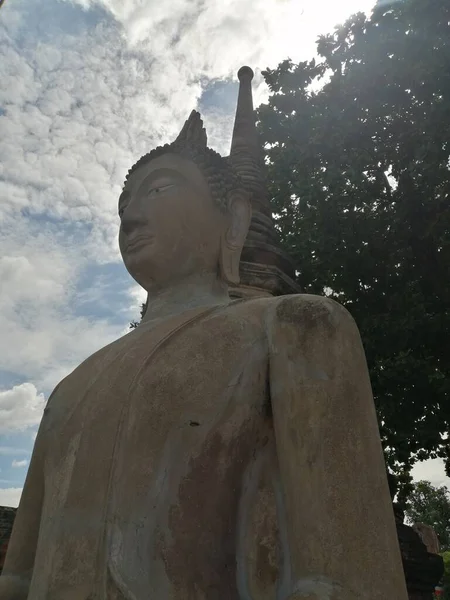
[[7, 515]]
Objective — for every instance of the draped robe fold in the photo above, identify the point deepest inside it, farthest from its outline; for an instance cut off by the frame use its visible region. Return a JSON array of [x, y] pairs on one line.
[[160, 473]]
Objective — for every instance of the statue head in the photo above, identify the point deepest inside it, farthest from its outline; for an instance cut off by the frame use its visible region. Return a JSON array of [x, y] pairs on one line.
[[183, 212]]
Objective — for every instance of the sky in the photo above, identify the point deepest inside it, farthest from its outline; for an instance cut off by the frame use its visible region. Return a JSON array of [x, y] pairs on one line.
[[86, 88]]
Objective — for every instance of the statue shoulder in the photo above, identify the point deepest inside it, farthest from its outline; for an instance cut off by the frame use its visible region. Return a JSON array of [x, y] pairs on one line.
[[306, 311]]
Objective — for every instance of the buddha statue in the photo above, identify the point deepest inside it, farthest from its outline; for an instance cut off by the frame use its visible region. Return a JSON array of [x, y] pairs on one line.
[[226, 448]]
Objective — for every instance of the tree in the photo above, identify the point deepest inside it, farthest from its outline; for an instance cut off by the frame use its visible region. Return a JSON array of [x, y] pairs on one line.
[[431, 505], [446, 578], [357, 150], [134, 324]]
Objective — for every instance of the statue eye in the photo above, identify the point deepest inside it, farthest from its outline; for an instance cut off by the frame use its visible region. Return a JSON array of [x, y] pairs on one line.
[[162, 188], [121, 211]]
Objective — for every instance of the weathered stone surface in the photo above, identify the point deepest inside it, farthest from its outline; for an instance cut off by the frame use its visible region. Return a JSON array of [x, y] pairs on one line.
[[222, 450], [261, 249], [422, 571], [261, 280], [152, 488], [428, 536]]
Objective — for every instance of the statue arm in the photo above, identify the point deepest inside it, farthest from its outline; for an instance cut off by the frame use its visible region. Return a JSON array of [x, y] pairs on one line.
[[18, 568], [341, 531]]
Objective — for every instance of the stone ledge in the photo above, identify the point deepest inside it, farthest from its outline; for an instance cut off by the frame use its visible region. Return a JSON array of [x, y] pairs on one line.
[[263, 280]]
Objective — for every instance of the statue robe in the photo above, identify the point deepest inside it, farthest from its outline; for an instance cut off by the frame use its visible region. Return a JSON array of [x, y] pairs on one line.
[[151, 451], [155, 473]]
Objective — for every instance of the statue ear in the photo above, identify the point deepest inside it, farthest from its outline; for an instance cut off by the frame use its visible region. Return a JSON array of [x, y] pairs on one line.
[[233, 239]]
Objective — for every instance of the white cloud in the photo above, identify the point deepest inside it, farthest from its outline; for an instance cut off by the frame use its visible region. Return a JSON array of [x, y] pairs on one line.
[[11, 451], [137, 296], [42, 336], [213, 39], [432, 470], [20, 407], [10, 496], [80, 109], [19, 464], [76, 112]]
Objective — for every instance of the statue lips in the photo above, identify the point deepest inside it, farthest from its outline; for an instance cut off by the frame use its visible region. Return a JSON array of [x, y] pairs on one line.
[[138, 241]]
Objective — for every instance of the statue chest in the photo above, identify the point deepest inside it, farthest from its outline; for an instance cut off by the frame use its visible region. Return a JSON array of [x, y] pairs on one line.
[[187, 383], [150, 445]]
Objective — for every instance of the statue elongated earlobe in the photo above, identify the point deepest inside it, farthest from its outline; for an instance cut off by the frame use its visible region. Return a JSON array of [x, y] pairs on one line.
[[233, 239]]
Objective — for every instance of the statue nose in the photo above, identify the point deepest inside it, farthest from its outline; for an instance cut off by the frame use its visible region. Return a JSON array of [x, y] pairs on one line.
[[130, 223]]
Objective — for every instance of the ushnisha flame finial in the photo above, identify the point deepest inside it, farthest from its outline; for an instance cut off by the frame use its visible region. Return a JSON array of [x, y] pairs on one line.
[[265, 267], [245, 139], [246, 153], [193, 131]]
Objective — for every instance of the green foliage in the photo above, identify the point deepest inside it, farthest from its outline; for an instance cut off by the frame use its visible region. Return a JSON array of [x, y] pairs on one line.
[[446, 578], [134, 324], [358, 145], [431, 505]]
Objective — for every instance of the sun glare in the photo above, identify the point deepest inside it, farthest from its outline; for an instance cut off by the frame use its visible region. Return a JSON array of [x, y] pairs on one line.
[[300, 22]]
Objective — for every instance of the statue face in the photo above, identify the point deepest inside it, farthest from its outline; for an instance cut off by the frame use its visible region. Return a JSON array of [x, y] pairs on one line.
[[170, 226]]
